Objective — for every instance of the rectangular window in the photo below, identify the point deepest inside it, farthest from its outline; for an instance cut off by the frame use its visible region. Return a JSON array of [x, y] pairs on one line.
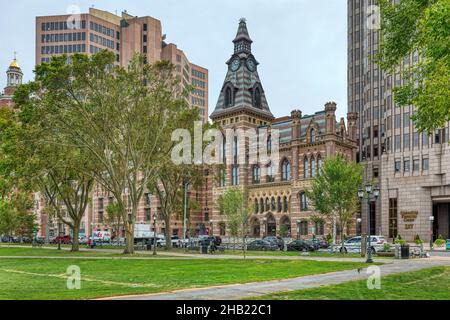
[[416, 165], [406, 119], [416, 140], [397, 121], [235, 176], [406, 166], [393, 218], [397, 143], [425, 140], [425, 164], [398, 166], [406, 142]]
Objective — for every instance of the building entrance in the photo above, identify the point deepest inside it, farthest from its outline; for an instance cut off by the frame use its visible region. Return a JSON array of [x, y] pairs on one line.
[[441, 212]]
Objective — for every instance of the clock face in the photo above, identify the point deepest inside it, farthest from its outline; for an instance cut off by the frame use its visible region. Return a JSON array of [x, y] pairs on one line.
[[251, 65], [235, 64]]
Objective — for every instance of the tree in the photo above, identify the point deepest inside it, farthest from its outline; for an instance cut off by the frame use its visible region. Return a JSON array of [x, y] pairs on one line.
[[419, 27], [334, 191], [8, 219], [120, 118], [113, 218], [234, 205]]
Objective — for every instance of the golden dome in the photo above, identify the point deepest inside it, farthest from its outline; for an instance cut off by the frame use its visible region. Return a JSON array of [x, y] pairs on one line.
[[14, 64]]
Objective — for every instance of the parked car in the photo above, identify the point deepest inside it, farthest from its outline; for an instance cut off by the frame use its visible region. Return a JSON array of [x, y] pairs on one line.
[[262, 245], [320, 243], [354, 244], [277, 240], [83, 240], [62, 240], [301, 245], [161, 242]]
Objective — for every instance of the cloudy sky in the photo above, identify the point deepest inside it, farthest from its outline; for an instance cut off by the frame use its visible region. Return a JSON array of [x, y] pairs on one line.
[[300, 44]]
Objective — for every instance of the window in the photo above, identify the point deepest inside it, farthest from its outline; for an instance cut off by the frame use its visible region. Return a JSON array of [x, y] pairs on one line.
[[312, 136], [148, 199], [271, 172], [235, 176], [256, 206], [406, 119], [425, 164], [313, 167], [303, 202], [256, 174], [273, 204], [397, 143], [425, 140], [305, 168], [416, 140], [406, 142], [398, 166], [279, 204], [320, 230], [406, 166], [303, 228], [145, 27], [148, 214], [397, 121], [228, 97], [261, 206], [286, 170], [258, 98], [319, 163], [416, 165], [393, 218]]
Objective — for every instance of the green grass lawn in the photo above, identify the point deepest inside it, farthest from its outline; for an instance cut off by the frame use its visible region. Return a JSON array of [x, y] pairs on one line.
[[46, 278], [428, 284]]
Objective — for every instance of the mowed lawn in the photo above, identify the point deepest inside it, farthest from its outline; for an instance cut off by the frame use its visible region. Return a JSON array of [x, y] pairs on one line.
[[47, 278], [428, 284]]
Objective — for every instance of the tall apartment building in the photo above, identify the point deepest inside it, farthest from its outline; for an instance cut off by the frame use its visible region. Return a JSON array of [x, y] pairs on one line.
[[412, 168], [124, 35]]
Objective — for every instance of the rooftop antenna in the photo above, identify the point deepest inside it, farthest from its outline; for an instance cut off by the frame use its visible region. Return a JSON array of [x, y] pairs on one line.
[[15, 55]]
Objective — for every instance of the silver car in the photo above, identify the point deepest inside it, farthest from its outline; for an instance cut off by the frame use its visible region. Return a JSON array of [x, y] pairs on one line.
[[354, 244]]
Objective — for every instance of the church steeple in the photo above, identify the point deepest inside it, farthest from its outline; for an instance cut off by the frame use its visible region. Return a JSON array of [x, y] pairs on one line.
[[242, 89]]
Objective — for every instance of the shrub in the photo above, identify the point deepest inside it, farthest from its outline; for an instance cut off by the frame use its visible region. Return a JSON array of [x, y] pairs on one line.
[[400, 241], [386, 247], [417, 240], [440, 242]]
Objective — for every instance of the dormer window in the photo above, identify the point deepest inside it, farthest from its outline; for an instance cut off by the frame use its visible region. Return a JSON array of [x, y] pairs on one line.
[[257, 98], [312, 136], [228, 97]]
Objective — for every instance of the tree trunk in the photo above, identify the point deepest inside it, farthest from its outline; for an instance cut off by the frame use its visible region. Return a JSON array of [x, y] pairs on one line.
[[129, 229], [168, 233], [334, 232], [75, 237]]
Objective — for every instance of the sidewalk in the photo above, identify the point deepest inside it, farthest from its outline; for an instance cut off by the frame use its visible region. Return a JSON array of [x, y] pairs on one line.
[[242, 291]]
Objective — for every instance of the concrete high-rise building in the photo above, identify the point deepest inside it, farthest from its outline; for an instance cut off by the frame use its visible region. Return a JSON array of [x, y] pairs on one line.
[[125, 35], [412, 168]]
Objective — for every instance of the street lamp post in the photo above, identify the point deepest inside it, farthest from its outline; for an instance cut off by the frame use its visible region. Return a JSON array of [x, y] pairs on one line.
[[59, 235], [298, 229], [154, 234], [359, 220], [186, 190], [431, 231], [372, 193]]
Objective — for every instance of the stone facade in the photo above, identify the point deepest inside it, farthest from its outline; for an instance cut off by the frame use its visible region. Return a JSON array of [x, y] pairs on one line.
[[305, 141]]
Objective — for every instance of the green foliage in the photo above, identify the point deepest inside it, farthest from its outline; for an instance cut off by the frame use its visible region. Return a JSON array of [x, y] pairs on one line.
[[419, 26], [334, 192], [417, 240], [386, 247], [440, 241], [284, 231], [399, 240]]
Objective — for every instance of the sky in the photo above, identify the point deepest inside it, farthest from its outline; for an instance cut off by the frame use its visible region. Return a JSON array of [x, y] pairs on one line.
[[300, 44]]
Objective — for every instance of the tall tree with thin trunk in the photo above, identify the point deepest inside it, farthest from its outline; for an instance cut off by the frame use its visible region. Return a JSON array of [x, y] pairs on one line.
[[121, 119], [334, 191]]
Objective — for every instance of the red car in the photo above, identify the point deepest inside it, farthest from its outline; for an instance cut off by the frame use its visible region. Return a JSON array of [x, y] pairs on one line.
[[62, 240]]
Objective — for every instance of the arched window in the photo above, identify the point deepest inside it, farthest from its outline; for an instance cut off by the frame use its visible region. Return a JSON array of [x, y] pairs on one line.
[[312, 136], [313, 167], [267, 204], [256, 209], [279, 204], [303, 228], [269, 145], [285, 204], [319, 163], [228, 97], [257, 101], [271, 172], [235, 175], [286, 170], [303, 202], [273, 204], [261, 206], [256, 174], [305, 168]]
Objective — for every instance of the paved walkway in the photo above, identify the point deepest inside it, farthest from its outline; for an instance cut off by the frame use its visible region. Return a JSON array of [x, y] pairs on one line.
[[242, 291]]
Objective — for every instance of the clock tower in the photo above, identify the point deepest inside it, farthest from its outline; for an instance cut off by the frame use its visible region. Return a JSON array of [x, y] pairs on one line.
[[242, 98]]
